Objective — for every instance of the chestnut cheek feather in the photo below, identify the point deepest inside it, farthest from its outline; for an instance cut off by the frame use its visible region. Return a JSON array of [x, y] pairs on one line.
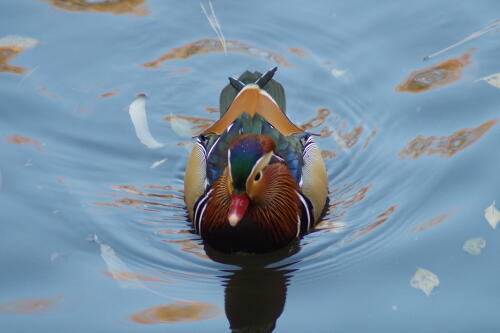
[[237, 209]]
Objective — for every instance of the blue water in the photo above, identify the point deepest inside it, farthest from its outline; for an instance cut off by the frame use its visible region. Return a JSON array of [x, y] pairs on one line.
[[79, 200]]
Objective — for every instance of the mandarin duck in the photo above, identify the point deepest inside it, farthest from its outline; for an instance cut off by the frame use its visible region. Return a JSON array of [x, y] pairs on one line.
[[254, 181]]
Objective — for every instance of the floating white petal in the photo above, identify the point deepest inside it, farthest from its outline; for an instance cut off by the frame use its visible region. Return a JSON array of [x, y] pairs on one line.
[[137, 112], [338, 72], [492, 215], [424, 280], [474, 245], [493, 79], [158, 163], [20, 41]]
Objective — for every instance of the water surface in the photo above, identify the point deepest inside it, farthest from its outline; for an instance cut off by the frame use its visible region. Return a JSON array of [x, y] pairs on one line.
[[94, 234]]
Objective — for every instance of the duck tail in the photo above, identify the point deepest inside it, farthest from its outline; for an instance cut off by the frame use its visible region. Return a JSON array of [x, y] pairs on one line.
[[272, 87]]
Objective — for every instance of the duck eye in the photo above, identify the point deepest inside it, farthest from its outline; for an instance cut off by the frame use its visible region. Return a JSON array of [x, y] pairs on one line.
[[257, 176]]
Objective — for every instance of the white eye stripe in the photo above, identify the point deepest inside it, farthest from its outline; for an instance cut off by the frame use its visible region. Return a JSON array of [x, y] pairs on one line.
[[267, 155]]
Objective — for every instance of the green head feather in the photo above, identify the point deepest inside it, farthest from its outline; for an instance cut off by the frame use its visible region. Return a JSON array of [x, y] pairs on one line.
[[244, 152]]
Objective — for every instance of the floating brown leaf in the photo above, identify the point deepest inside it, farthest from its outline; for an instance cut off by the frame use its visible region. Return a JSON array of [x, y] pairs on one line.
[[349, 139], [46, 92], [351, 199], [211, 110], [381, 218], [447, 146], [31, 306], [176, 312], [104, 6], [16, 139], [127, 188], [432, 222], [10, 47], [7, 53], [315, 122], [188, 246], [325, 153], [435, 76], [299, 52], [368, 139], [210, 45], [110, 93]]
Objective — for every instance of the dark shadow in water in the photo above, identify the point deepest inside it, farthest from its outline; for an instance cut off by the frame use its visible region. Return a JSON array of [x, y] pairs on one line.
[[255, 293]]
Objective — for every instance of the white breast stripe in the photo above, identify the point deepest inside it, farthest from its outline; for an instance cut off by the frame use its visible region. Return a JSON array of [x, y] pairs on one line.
[[304, 203], [197, 220], [201, 217], [298, 226]]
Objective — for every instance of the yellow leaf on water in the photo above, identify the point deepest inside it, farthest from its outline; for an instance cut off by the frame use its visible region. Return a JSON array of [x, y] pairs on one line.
[[492, 215], [424, 280], [493, 79], [436, 76], [474, 245]]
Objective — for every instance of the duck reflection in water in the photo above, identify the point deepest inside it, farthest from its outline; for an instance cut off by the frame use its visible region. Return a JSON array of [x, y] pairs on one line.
[[255, 293]]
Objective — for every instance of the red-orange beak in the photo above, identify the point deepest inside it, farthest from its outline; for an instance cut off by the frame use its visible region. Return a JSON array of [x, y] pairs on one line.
[[237, 209]]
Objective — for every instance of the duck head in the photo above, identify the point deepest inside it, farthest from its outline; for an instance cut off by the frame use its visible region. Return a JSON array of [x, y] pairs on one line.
[[248, 158]]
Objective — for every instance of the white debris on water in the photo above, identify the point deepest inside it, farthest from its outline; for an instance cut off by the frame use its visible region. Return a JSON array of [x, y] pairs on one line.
[[474, 245], [424, 280], [19, 41], [158, 163], [493, 80], [492, 215], [137, 112]]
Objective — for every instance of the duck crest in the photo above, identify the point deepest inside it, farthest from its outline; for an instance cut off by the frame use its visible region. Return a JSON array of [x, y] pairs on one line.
[[254, 180]]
